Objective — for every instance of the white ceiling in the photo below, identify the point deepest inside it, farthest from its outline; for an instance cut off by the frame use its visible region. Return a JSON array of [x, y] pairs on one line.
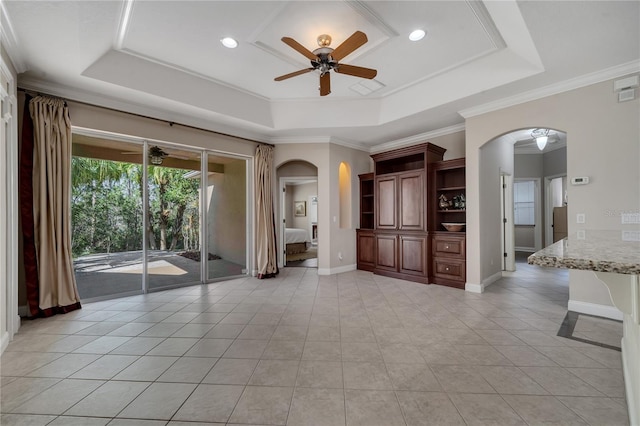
[[164, 58]]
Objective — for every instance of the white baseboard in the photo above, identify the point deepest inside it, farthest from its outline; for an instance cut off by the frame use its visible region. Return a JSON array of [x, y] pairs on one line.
[[473, 288], [4, 342], [338, 270], [479, 288], [594, 309], [526, 249]]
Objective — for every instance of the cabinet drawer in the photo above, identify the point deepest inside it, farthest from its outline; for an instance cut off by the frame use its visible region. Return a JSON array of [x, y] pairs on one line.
[[449, 268], [449, 247]]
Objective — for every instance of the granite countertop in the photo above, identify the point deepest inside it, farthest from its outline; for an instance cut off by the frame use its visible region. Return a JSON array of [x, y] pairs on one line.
[[600, 251]]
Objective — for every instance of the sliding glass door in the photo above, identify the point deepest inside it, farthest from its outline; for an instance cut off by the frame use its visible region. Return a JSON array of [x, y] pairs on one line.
[[226, 212], [137, 213], [106, 210], [173, 220]]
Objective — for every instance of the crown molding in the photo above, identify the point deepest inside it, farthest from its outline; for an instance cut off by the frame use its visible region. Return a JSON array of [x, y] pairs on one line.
[[554, 89], [350, 144], [10, 41], [286, 140], [419, 138]]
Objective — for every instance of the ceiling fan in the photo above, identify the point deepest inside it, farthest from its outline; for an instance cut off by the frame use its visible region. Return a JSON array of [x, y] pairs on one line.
[[325, 59], [156, 155]]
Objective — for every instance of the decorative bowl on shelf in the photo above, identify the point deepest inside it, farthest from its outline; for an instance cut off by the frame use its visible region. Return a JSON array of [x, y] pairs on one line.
[[453, 227]]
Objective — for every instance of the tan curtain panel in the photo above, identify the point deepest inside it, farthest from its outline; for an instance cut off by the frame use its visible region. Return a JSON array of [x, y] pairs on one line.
[[52, 205], [267, 263]]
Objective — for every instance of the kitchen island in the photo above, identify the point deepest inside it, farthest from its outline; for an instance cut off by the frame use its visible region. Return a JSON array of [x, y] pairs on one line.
[[614, 257]]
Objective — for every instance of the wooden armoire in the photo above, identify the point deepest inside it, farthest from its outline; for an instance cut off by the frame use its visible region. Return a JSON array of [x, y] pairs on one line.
[[398, 215]]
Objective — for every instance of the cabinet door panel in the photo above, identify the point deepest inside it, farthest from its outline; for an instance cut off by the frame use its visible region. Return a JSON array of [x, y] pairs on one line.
[[411, 202], [386, 202], [413, 252], [387, 256], [366, 250]]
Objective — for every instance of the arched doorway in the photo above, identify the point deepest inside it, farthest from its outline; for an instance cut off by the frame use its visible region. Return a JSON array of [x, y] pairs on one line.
[[299, 236]]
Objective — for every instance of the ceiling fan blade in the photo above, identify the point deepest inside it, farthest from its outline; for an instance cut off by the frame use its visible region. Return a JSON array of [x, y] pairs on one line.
[[293, 74], [356, 71], [300, 48], [325, 84], [356, 40]]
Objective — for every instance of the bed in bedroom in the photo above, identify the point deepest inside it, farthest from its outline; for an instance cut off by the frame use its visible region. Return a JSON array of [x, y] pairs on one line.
[[296, 240]]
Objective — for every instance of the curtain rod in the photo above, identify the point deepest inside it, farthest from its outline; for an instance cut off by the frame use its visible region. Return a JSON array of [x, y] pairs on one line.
[[170, 123]]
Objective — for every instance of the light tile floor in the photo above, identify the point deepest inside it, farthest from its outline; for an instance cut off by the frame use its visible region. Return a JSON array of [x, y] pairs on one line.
[[303, 349]]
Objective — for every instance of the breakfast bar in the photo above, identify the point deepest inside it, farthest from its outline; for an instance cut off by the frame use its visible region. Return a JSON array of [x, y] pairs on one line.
[[614, 257]]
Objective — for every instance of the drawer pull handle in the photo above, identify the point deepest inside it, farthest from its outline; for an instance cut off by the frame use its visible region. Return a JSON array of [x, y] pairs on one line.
[[446, 247], [446, 269]]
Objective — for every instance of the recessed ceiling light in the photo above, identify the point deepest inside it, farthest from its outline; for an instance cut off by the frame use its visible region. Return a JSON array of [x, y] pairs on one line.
[[229, 42], [416, 35]]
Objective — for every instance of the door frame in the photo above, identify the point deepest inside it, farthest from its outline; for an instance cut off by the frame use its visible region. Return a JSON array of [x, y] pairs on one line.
[[507, 228], [548, 208], [9, 215], [537, 200]]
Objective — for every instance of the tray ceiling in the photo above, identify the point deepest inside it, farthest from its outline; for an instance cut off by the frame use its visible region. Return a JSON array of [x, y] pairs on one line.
[[164, 58]]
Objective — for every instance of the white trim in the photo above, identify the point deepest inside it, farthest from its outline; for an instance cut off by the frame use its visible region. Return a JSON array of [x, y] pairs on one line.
[[604, 311], [554, 89], [526, 249], [285, 140], [479, 288], [507, 230], [419, 138], [9, 216], [337, 270], [473, 288], [548, 208], [10, 41]]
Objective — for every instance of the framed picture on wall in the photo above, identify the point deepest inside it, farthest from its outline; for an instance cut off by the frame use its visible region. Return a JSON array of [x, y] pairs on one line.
[[300, 208]]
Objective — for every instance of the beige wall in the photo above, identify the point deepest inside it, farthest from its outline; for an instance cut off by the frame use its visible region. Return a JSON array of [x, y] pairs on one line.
[[602, 143], [227, 213], [454, 143], [302, 193], [496, 158], [97, 118], [331, 238]]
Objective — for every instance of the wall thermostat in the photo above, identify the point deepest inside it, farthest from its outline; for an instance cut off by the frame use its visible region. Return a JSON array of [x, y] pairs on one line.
[[583, 180]]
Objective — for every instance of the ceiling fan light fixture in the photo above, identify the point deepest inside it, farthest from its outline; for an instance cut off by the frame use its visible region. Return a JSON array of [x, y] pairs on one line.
[[324, 40], [417, 35], [229, 42], [156, 155], [155, 160]]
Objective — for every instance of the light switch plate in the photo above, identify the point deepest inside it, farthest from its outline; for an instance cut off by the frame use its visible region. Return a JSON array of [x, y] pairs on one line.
[[630, 218], [580, 218]]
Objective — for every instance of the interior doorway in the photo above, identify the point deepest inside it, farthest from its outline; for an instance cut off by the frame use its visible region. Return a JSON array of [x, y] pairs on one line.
[[299, 221], [556, 224], [507, 212]]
